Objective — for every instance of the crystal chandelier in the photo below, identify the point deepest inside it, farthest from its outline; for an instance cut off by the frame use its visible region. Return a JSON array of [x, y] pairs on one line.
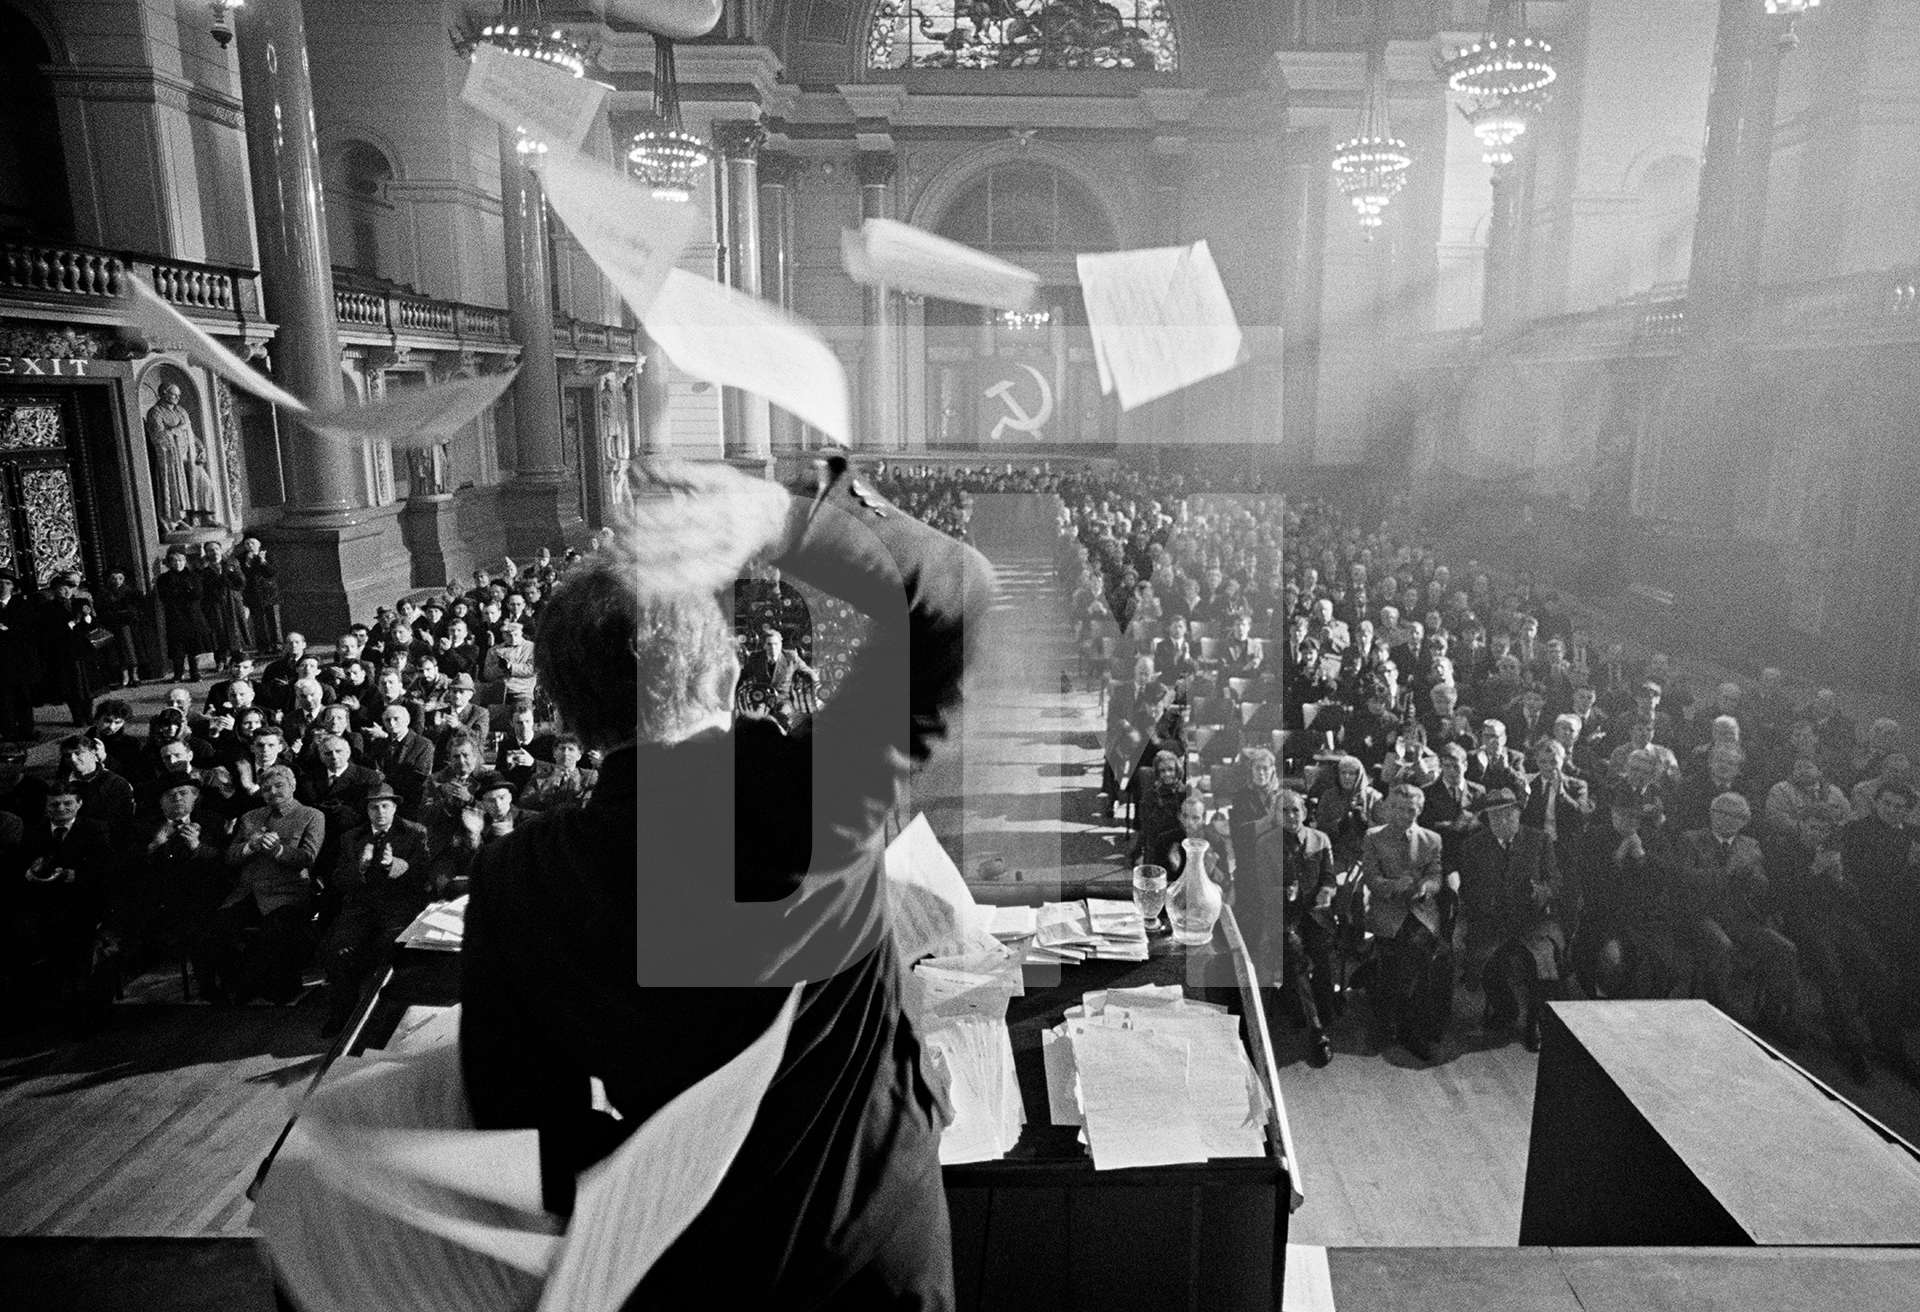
[[666, 156], [521, 31], [1505, 77], [1370, 169]]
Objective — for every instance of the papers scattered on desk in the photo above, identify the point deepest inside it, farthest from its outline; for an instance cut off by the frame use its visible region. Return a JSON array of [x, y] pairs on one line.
[[1096, 929], [439, 928], [971, 1057], [1160, 320], [886, 252], [1154, 1079], [1009, 923]]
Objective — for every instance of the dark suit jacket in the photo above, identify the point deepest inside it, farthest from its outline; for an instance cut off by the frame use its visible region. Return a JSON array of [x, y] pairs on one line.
[[1496, 886], [406, 765], [843, 1148], [67, 905], [1452, 818], [342, 801], [404, 893]]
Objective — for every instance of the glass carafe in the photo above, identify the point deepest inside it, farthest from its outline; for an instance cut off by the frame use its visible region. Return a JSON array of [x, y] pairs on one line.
[[1193, 904]]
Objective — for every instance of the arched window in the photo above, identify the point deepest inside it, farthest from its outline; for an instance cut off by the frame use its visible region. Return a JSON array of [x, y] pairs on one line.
[[1023, 205], [357, 175], [34, 201], [1080, 34]]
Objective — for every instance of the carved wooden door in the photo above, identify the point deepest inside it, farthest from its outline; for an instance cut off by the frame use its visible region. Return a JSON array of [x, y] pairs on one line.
[[42, 522]]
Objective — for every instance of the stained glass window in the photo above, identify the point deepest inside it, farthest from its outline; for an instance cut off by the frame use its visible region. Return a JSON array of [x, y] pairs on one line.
[[1084, 34]]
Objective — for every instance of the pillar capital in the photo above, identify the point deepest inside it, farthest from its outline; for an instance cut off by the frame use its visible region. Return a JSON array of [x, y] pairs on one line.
[[740, 139]]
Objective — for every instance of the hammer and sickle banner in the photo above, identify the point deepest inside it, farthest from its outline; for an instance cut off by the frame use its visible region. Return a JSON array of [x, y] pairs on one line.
[[1017, 403]]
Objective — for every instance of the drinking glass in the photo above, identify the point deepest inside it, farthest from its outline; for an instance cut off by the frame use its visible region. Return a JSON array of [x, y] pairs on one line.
[[1150, 893]]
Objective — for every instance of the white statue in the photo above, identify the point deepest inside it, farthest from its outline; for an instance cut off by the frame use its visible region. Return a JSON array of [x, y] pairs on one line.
[[183, 478]]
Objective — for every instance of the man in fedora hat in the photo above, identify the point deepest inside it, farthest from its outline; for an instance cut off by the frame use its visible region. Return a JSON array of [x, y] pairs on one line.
[[381, 879], [1511, 891], [1631, 900], [463, 716]]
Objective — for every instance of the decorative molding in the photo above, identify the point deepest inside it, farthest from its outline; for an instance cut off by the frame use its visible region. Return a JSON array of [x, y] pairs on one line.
[[230, 450]]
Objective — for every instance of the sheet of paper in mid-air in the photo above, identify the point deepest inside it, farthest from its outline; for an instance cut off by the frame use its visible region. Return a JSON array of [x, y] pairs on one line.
[[1160, 320]]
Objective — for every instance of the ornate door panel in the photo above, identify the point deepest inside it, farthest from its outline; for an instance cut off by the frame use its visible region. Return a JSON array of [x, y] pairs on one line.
[[42, 528]]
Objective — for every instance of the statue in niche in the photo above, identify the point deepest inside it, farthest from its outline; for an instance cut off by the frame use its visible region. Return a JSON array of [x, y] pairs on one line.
[[427, 470], [183, 474]]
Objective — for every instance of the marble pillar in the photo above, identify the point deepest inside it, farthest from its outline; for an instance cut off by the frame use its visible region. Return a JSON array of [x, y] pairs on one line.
[[537, 504], [881, 428], [777, 175], [329, 550], [745, 420], [1304, 238]]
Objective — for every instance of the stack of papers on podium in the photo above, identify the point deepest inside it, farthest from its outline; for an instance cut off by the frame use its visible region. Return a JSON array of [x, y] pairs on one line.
[[972, 1056], [1098, 928], [1154, 1079], [439, 928]]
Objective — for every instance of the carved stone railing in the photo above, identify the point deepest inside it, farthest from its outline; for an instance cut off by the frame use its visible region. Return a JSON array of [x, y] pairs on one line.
[[46, 272], [1865, 309], [576, 337], [418, 321]]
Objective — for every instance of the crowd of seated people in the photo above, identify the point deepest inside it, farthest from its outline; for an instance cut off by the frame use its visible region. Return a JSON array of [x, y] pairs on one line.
[[1415, 773], [298, 813]]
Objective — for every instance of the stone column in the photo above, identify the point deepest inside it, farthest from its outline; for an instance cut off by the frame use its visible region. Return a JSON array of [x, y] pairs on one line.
[[537, 506], [777, 267], [1702, 439], [745, 424], [1723, 278], [881, 427], [1501, 306], [1304, 234], [653, 424], [322, 542]]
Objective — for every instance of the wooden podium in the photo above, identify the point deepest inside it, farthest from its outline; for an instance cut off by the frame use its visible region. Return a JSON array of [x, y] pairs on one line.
[[1668, 1124], [1041, 1230]]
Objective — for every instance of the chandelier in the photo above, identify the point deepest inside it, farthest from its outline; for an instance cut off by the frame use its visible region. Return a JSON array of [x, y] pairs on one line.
[[1505, 77], [666, 156], [521, 31], [1370, 169]]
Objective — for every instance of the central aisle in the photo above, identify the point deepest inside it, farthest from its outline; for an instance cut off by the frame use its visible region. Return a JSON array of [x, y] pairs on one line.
[[1392, 1153]]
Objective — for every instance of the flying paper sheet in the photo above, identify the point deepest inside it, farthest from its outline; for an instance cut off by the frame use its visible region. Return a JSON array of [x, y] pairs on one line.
[[165, 324], [547, 103], [1160, 320], [411, 417], [385, 1197], [416, 417], [678, 20], [733, 340], [913, 260], [928, 902], [633, 237]]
